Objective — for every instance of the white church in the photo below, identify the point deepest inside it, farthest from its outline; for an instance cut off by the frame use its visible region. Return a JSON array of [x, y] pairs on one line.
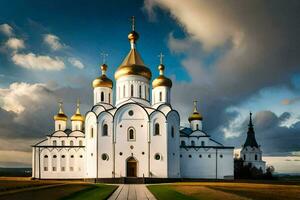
[[131, 130]]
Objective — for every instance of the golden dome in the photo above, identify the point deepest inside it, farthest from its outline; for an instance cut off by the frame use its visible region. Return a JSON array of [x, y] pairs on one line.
[[103, 81], [77, 116], [133, 65], [195, 115], [60, 115], [161, 80]]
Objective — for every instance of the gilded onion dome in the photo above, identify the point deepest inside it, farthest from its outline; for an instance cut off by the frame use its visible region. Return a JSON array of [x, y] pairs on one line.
[[133, 63], [77, 116], [161, 80], [60, 115], [195, 115], [103, 81]]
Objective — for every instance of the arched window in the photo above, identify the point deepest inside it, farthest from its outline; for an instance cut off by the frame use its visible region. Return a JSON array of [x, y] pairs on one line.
[[156, 129], [202, 143], [160, 96], [244, 157], [45, 163], [59, 127], [145, 91], [105, 130], [131, 90], [193, 143], [123, 91], [71, 143], [63, 143], [92, 133], [54, 143], [140, 91], [182, 143], [80, 143], [197, 126], [54, 163], [102, 96], [172, 131], [131, 134], [109, 98], [255, 156]]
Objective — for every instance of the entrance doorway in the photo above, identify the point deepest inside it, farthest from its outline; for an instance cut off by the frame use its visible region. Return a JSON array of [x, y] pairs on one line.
[[131, 167]]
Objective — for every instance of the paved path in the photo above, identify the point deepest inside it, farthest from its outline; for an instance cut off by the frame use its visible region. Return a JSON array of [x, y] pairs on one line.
[[132, 192]]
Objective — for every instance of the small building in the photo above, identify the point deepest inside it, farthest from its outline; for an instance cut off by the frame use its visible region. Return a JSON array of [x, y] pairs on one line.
[[251, 152]]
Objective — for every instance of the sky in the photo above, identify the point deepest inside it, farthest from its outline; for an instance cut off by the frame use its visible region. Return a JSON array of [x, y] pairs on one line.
[[232, 56]]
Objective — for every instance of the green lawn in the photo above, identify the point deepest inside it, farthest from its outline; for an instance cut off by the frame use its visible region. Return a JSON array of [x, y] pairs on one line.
[[167, 192], [95, 192]]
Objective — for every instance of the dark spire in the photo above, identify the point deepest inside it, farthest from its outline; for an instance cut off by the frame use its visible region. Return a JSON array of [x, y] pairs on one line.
[[250, 141]]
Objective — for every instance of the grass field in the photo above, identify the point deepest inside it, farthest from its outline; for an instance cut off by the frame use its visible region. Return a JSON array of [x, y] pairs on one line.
[[223, 190], [26, 189]]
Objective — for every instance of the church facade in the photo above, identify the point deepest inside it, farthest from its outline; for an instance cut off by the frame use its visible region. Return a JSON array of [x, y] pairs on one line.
[[137, 133]]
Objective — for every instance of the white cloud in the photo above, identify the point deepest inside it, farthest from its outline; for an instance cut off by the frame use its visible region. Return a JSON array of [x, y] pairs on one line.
[[38, 62], [15, 44], [77, 63], [6, 29], [53, 42]]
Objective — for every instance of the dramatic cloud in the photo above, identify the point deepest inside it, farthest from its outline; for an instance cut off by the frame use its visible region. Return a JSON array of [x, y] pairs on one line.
[[231, 51], [274, 138], [38, 62], [77, 63], [15, 44], [53, 42], [6, 29]]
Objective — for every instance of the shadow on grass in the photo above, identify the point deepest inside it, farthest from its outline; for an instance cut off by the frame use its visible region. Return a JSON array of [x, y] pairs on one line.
[[97, 191], [167, 192]]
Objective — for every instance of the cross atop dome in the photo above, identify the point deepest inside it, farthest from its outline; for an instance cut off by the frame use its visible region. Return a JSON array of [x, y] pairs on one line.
[[104, 56], [161, 58]]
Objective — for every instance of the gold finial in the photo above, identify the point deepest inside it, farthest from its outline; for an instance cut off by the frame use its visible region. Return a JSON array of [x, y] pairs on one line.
[[161, 67], [132, 23], [195, 106], [60, 115]]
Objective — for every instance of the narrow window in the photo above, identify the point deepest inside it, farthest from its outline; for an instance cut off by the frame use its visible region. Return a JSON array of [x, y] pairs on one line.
[[131, 134], [202, 143], [156, 129], [46, 163], [92, 132], [244, 157], [54, 143], [63, 143], [105, 130], [71, 143], [80, 142], [59, 127], [160, 96], [140, 91], [255, 156], [131, 90], [183, 143], [197, 126], [193, 143], [145, 91], [172, 131], [109, 98], [102, 96]]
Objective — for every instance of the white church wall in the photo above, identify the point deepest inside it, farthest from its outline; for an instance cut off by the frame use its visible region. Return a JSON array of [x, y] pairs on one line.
[[105, 146], [131, 116], [91, 144], [161, 94], [103, 95], [158, 146], [173, 145]]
